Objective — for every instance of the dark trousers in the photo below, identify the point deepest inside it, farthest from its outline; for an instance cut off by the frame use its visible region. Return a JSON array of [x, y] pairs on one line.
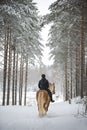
[[50, 94]]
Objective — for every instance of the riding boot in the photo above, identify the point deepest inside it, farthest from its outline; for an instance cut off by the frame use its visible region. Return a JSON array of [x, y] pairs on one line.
[[51, 98], [50, 94]]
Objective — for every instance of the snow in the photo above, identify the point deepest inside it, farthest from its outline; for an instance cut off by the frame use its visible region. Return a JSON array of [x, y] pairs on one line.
[[60, 116]]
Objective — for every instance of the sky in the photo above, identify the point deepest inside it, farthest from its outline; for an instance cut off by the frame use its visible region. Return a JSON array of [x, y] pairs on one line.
[[60, 116], [43, 6]]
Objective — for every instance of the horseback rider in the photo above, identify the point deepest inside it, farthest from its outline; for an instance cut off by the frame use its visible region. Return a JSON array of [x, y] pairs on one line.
[[44, 85]]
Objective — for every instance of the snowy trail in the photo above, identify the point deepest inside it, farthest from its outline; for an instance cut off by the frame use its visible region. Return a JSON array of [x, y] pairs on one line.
[[59, 117]]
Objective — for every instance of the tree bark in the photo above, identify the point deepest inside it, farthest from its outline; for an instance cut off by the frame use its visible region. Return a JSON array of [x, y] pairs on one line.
[[5, 64], [16, 78], [66, 89], [26, 76], [9, 68], [21, 81], [82, 50], [13, 78]]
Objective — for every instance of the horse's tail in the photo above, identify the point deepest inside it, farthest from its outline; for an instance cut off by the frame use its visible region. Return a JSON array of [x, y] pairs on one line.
[[40, 102]]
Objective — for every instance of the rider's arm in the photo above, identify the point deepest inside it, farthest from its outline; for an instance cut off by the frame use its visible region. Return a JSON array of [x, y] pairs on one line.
[[39, 84], [47, 84]]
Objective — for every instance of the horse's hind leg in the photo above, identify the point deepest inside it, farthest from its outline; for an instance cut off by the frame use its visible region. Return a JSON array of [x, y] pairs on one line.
[[46, 107]]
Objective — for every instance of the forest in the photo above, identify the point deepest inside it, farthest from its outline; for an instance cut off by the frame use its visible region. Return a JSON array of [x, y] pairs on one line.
[[21, 48]]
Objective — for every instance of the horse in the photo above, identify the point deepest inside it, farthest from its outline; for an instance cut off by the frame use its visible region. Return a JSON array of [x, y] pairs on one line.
[[43, 99]]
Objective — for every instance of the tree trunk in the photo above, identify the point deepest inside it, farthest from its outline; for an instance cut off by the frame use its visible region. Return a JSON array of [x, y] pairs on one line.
[[26, 75], [71, 73], [86, 78], [66, 89], [68, 67], [16, 78], [5, 64], [9, 69], [82, 51], [13, 78], [21, 81]]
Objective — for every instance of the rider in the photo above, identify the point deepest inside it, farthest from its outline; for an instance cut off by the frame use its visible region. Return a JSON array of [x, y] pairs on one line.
[[44, 85]]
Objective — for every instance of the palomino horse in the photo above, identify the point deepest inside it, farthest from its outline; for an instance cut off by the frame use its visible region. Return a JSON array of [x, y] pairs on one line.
[[43, 99]]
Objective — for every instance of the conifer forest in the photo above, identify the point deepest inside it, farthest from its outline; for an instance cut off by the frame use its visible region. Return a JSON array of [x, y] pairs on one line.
[[21, 48]]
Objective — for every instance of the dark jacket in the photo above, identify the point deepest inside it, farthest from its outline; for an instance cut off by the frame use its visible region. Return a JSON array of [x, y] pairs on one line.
[[43, 84]]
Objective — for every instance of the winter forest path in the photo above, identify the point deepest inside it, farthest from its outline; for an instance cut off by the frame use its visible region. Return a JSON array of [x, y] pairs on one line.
[[59, 117]]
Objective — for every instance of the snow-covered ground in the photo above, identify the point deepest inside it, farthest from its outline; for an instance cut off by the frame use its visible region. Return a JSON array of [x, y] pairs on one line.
[[60, 116]]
